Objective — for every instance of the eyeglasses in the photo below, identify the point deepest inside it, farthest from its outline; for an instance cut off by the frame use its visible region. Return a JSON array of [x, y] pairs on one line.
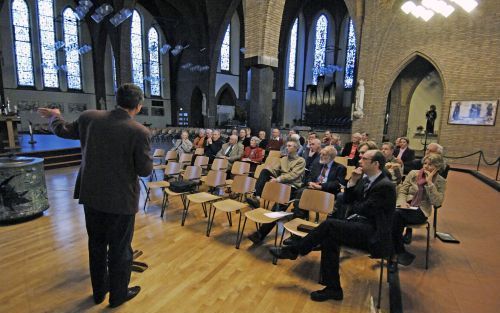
[[366, 159]]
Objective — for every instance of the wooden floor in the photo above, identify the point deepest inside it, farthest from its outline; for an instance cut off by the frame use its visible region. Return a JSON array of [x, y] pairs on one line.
[[44, 266]]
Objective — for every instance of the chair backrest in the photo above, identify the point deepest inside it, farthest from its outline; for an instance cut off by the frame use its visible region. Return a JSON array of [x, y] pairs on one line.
[[201, 161], [159, 153], [317, 201], [240, 168], [171, 155], [349, 171], [192, 173], [276, 192], [243, 184], [185, 158], [216, 178], [173, 168], [219, 165], [199, 151], [274, 154], [258, 169], [342, 160], [272, 161]]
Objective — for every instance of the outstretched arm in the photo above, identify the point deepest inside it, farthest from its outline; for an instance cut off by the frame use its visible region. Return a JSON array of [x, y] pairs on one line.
[[58, 126]]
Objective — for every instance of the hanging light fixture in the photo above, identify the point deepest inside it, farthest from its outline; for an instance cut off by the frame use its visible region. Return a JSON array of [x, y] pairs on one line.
[[428, 8]]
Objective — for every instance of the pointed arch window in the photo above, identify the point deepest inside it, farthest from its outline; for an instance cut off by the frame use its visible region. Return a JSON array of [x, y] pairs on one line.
[[47, 43], [22, 43], [292, 59], [320, 46], [225, 50], [136, 50], [350, 61], [154, 62], [113, 69], [73, 70]]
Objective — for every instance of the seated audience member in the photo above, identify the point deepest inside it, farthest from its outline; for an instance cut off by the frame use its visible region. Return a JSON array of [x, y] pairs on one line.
[[397, 143], [209, 134], [393, 165], [421, 190], [365, 137], [231, 151], [373, 197], [275, 142], [326, 175], [213, 145], [432, 148], [312, 153], [404, 153], [290, 170], [335, 142], [362, 148], [302, 141], [243, 139], [199, 141], [263, 140], [350, 149], [253, 153], [296, 138], [327, 138], [249, 132], [183, 145], [234, 131]]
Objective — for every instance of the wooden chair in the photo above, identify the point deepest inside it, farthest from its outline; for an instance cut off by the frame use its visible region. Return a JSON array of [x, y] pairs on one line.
[[171, 156], [185, 159], [274, 154], [259, 169], [239, 168], [158, 154], [192, 173], [242, 185], [172, 169], [214, 179], [427, 226], [342, 160], [273, 192], [201, 161], [199, 151], [217, 165], [272, 161], [349, 171]]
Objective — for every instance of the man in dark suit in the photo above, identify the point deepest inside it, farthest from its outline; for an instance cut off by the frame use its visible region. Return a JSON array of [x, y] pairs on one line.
[[405, 154], [373, 199], [115, 151]]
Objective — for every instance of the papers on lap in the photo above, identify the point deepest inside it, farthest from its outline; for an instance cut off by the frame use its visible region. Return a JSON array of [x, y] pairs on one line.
[[277, 214]]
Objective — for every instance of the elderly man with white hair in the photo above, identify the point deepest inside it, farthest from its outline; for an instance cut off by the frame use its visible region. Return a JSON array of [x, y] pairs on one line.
[[293, 137], [232, 151]]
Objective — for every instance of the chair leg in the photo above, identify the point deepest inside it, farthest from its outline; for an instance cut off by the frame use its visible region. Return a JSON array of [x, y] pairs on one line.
[[435, 222], [163, 203], [380, 283], [229, 219], [146, 201], [211, 217], [427, 250], [204, 207], [185, 212], [240, 233]]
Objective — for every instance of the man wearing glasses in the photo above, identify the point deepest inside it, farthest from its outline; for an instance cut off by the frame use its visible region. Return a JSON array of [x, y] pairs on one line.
[[373, 199]]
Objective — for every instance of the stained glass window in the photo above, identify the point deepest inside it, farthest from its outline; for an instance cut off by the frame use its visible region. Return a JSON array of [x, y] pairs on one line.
[[350, 60], [47, 43], [293, 54], [225, 50], [22, 43], [72, 56], [113, 66], [136, 50], [154, 61], [320, 46]]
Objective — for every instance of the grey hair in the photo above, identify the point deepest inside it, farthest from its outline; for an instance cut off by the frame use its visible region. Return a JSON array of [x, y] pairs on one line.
[[256, 139]]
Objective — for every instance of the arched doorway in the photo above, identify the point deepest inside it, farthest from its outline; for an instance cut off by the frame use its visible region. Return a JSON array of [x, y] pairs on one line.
[[197, 108], [418, 86], [227, 109]]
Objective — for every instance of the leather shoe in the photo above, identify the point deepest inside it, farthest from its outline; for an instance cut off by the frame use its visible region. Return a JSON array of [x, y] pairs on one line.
[[98, 299], [407, 236], [131, 293], [255, 237], [406, 258], [253, 202], [284, 252], [291, 241], [327, 294]]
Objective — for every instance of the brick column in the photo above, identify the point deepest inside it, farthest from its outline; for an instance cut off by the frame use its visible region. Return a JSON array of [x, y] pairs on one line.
[[261, 97]]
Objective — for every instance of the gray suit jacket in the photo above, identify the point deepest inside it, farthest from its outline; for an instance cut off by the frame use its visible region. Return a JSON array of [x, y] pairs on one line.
[[115, 151], [235, 155]]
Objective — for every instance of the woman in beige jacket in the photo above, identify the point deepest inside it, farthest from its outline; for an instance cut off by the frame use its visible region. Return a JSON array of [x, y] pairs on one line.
[[421, 190]]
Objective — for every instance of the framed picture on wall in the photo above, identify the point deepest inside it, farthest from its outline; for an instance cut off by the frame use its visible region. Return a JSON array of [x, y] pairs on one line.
[[480, 113]]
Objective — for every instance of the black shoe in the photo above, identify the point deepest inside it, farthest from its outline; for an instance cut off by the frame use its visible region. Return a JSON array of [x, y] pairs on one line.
[[255, 237], [253, 201], [406, 258], [131, 293], [291, 241], [98, 299], [327, 294], [407, 236], [287, 252]]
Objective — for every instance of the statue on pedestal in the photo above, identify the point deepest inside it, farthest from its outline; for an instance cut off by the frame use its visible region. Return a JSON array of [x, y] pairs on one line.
[[360, 98]]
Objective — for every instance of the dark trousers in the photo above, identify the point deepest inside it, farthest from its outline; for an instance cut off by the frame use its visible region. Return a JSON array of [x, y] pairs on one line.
[[297, 211], [403, 217], [110, 253], [265, 176], [332, 234]]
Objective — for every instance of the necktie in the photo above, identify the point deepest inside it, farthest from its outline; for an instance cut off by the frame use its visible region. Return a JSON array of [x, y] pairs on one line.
[[366, 185], [323, 173], [229, 150]]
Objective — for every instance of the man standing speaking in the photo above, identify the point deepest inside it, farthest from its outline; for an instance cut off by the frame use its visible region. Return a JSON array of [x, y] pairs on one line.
[[115, 151]]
